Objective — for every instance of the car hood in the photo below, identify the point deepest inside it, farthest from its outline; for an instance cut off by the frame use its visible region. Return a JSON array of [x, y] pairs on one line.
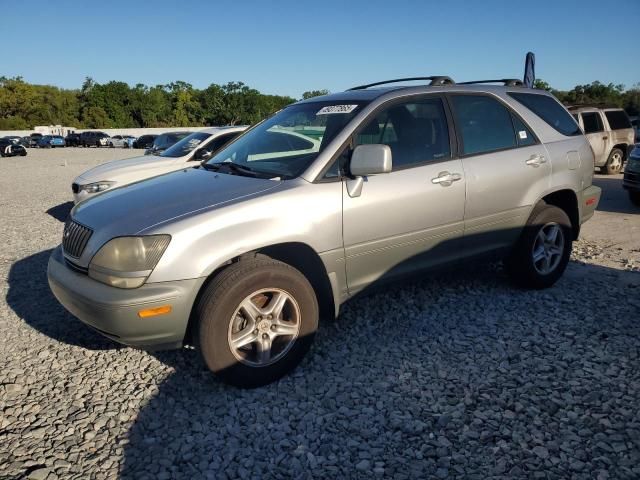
[[112, 171], [137, 207]]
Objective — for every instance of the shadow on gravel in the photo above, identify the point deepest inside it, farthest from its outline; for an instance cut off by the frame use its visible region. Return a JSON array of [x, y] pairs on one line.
[[31, 299], [459, 377], [614, 198], [61, 212]]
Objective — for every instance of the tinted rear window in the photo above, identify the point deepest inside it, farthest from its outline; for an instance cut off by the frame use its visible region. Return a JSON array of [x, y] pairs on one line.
[[617, 119], [548, 109]]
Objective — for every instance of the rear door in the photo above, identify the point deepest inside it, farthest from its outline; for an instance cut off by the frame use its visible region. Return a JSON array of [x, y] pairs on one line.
[[412, 217], [595, 133], [505, 166]]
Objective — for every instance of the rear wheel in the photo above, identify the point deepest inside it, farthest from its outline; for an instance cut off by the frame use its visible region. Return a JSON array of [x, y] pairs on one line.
[[614, 162], [542, 253], [256, 321], [634, 197]]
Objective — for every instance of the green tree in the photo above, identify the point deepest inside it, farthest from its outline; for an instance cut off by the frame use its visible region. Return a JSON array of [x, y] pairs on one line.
[[314, 93]]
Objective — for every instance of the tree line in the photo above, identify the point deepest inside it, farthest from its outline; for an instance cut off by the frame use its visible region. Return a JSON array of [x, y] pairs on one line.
[[178, 104]]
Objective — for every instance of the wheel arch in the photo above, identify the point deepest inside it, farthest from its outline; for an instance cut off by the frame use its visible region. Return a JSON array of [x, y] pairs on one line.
[[296, 254], [566, 200]]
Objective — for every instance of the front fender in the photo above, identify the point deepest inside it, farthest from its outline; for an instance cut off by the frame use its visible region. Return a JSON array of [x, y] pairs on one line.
[[303, 213]]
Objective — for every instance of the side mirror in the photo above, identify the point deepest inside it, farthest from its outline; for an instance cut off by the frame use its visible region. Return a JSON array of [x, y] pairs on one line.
[[202, 154], [370, 160]]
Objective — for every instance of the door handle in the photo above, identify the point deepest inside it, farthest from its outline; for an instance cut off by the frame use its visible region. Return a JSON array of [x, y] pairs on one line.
[[445, 178], [604, 138], [536, 160]]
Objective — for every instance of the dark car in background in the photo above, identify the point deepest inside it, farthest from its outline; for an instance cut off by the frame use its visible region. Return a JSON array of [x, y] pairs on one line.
[[34, 138], [165, 141], [10, 148], [72, 140], [144, 141], [94, 139], [25, 141]]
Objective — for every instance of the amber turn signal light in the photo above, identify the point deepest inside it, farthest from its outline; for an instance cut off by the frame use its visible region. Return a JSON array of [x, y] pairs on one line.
[[154, 312]]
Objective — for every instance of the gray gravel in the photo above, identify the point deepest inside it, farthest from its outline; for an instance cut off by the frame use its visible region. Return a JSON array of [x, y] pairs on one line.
[[459, 377]]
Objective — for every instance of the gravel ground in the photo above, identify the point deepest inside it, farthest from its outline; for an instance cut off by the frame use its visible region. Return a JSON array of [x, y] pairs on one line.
[[459, 377]]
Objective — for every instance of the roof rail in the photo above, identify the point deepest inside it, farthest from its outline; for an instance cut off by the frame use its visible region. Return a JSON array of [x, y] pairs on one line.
[[507, 82], [576, 106], [435, 81]]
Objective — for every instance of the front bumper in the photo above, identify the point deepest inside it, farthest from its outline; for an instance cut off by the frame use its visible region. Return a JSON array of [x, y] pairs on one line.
[[114, 311]]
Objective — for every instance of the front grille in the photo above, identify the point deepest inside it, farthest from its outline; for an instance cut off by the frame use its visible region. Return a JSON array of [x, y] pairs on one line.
[[75, 238], [75, 188]]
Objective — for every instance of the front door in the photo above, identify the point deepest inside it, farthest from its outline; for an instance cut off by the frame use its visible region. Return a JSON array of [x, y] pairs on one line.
[[594, 131], [412, 217]]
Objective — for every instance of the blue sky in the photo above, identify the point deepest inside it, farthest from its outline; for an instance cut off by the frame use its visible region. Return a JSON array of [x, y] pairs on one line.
[[287, 47]]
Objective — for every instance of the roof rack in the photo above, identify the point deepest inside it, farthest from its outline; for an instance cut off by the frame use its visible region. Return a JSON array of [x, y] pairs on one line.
[[435, 81], [577, 106], [507, 82]]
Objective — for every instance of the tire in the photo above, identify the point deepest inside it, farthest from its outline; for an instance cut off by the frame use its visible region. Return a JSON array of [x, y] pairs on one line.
[[634, 197], [23, 154], [219, 315], [614, 162], [111, 145], [544, 272]]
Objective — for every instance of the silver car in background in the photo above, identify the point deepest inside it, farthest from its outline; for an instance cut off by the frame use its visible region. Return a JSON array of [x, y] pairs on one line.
[[328, 198], [610, 135], [196, 147]]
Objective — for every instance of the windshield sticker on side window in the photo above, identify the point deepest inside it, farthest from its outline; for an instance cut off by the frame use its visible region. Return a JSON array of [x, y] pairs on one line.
[[522, 134], [337, 109]]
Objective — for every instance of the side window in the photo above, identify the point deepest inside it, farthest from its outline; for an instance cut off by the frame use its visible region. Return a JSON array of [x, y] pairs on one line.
[[220, 141], [416, 132], [549, 110], [617, 119], [524, 137], [485, 124], [592, 122]]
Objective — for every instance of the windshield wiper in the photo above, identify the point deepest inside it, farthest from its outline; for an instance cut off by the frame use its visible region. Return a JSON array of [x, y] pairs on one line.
[[234, 167]]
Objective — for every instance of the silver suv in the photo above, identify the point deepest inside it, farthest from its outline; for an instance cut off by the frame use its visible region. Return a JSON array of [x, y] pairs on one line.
[[610, 134], [241, 255]]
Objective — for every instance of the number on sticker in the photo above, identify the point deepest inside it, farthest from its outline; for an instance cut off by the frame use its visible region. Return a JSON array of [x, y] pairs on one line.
[[336, 109]]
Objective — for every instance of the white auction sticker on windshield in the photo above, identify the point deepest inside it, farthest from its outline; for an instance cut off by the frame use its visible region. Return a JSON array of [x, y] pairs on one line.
[[337, 109]]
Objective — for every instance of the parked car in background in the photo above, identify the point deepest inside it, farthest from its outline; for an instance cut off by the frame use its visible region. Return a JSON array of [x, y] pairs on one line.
[[13, 138], [164, 141], [9, 148], [25, 141], [122, 141], [610, 134], [631, 180], [634, 124], [94, 139], [144, 141], [72, 140], [242, 255], [34, 138], [51, 141], [197, 147]]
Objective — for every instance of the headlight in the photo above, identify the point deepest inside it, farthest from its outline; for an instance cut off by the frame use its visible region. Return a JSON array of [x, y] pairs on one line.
[[127, 262], [96, 187]]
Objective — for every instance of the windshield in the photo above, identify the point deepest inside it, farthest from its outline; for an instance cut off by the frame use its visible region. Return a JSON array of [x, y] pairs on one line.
[[287, 143], [186, 145]]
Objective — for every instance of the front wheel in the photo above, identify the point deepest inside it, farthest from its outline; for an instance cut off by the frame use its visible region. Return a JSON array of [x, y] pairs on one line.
[[256, 321], [634, 197], [614, 162], [542, 253]]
